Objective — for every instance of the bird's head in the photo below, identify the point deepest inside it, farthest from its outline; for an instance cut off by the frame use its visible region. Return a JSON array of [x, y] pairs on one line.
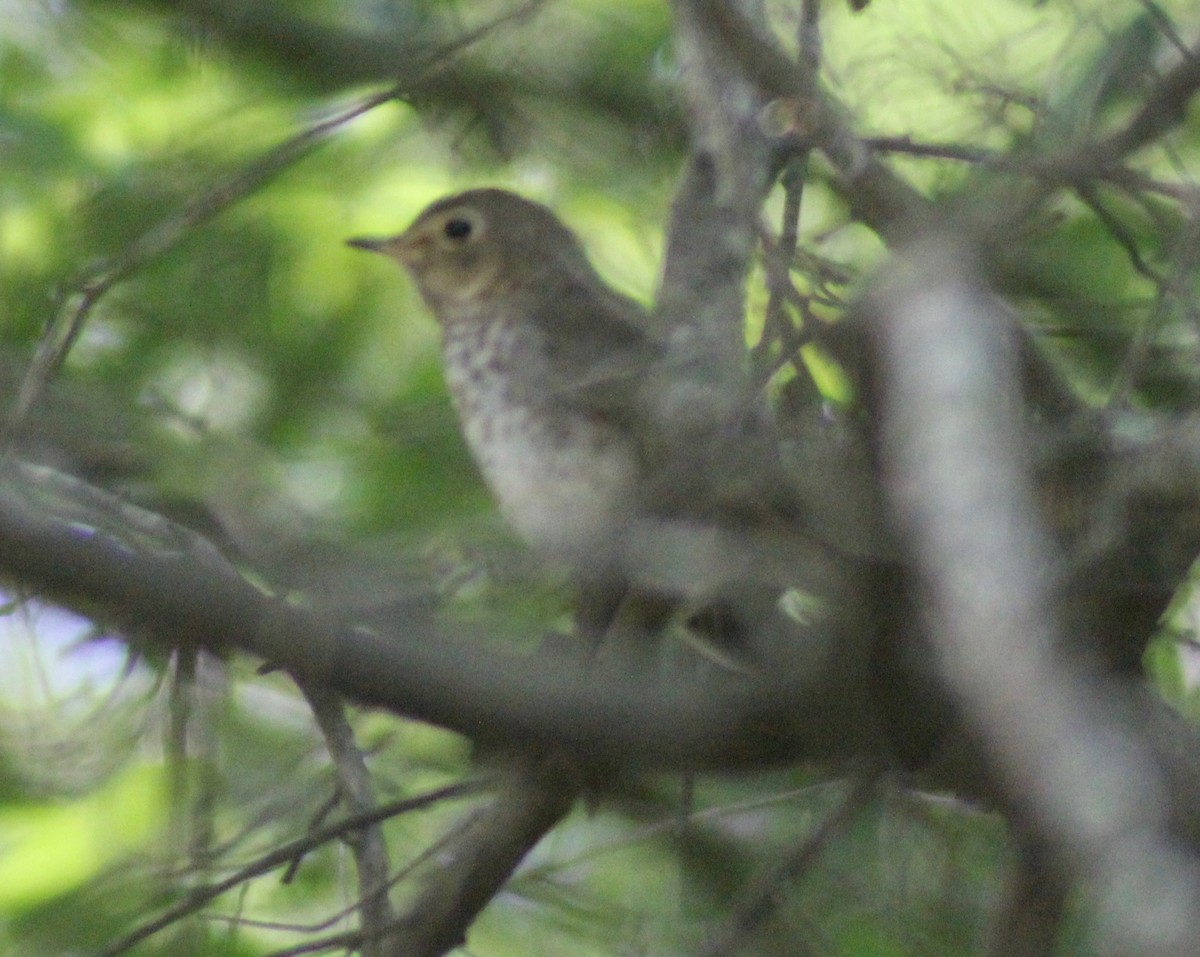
[[479, 244]]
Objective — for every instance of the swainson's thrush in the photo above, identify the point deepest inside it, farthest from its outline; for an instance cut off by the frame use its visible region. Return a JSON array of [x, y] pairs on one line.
[[544, 363], [558, 382]]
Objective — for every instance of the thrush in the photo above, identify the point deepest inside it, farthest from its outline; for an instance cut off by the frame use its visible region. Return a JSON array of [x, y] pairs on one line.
[[543, 361], [554, 375]]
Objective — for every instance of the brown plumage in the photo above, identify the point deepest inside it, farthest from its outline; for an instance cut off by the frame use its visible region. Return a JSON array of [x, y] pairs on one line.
[[544, 363], [559, 383]]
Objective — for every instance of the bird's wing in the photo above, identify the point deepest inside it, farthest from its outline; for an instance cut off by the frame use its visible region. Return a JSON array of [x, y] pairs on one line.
[[599, 349]]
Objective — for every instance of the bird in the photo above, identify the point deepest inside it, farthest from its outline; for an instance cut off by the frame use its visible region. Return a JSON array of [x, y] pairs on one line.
[[544, 363], [541, 360], [558, 382]]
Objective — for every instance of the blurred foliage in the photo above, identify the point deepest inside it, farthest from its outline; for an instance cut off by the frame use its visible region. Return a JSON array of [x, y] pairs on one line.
[[284, 391]]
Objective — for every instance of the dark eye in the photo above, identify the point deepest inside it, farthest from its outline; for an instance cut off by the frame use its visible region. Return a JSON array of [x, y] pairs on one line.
[[457, 228]]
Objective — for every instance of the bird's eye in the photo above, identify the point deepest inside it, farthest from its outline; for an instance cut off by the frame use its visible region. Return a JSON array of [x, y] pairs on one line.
[[457, 229]]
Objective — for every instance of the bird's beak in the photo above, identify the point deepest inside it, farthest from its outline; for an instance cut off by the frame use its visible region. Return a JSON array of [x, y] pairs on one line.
[[406, 248], [371, 244]]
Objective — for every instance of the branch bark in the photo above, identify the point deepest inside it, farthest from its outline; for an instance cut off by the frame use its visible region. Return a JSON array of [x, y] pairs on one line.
[[367, 844], [1066, 759], [131, 569], [533, 796]]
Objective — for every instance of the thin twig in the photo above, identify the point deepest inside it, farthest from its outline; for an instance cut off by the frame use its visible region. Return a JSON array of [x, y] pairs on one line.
[[664, 825], [534, 796], [1172, 289], [282, 855], [350, 941], [426, 854], [1166, 26], [181, 690], [1122, 176], [367, 843], [1162, 109], [1124, 238], [316, 820], [778, 326], [809, 36], [765, 893]]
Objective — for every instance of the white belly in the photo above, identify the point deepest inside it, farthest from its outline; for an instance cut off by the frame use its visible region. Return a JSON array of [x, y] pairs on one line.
[[566, 504], [566, 485]]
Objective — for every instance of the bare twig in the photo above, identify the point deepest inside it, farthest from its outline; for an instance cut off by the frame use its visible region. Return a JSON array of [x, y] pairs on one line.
[[777, 326], [200, 896], [1123, 176], [1166, 26], [809, 37], [1162, 109], [346, 942], [181, 689], [763, 896], [1172, 289], [876, 195], [1123, 237], [366, 843], [316, 819]]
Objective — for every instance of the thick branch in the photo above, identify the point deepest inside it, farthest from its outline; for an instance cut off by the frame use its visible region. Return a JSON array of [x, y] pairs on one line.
[[74, 544], [1065, 759], [714, 220]]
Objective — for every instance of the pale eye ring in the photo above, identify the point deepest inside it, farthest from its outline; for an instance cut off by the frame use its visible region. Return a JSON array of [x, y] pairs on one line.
[[458, 229]]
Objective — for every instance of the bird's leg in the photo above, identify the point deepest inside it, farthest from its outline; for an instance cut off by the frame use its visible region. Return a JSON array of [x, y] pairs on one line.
[[597, 605], [620, 624]]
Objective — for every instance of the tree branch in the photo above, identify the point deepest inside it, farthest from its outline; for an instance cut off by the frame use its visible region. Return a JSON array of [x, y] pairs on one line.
[[714, 219], [280, 857], [1065, 760], [534, 795], [367, 844], [74, 544]]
